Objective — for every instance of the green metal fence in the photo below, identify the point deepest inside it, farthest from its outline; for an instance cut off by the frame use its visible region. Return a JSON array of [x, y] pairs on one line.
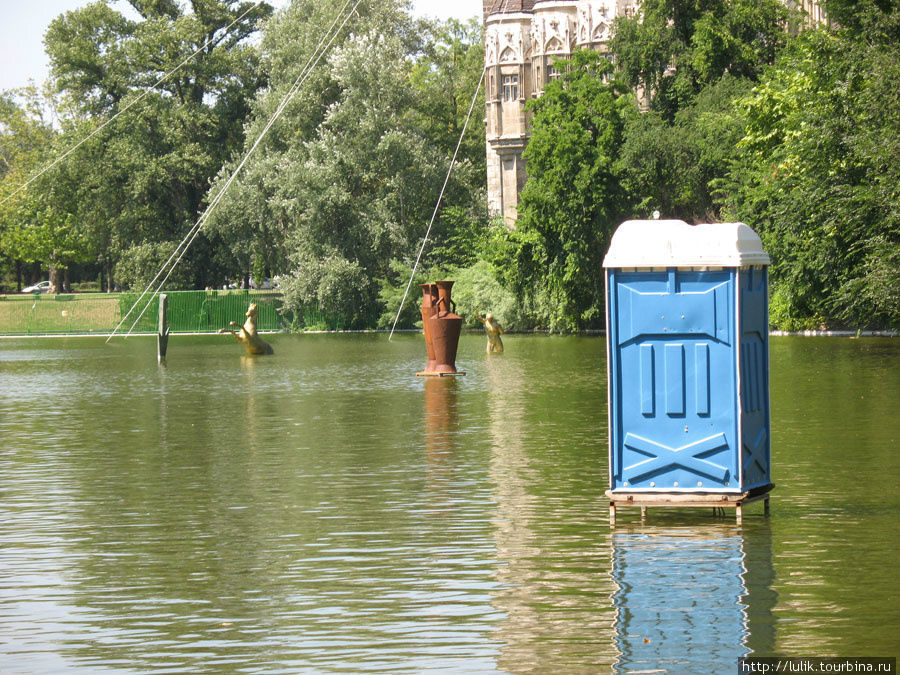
[[100, 313]]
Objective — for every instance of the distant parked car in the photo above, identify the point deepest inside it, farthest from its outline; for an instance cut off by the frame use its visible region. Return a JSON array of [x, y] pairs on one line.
[[40, 287], [265, 285]]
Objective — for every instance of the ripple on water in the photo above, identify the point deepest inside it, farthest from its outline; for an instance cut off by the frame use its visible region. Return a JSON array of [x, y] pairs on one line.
[[327, 510]]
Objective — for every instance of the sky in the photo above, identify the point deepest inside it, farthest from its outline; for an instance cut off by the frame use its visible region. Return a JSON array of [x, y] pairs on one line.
[[23, 25]]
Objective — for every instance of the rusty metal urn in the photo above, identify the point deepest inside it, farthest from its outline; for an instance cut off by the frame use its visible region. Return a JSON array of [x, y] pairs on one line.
[[445, 327], [429, 309]]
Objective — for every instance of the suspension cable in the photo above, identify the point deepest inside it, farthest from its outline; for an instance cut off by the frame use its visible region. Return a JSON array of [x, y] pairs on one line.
[[123, 110], [441, 196], [189, 238]]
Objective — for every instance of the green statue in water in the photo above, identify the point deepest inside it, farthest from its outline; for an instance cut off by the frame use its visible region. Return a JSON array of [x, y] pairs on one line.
[[494, 330]]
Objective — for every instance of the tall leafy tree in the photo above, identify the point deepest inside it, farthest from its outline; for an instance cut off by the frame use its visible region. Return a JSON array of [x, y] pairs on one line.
[[445, 80], [31, 230], [673, 167], [348, 177], [817, 175], [672, 49], [573, 198], [144, 177], [689, 61], [859, 16]]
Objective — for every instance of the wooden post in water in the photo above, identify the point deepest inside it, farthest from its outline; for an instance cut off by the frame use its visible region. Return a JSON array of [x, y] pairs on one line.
[[162, 334]]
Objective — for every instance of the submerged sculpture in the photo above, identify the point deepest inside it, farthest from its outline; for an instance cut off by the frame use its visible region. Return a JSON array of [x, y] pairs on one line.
[[442, 327], [494, 330], [248, 335]]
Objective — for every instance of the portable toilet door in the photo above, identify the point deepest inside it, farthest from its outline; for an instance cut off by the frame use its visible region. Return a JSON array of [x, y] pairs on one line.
[[687, 343]]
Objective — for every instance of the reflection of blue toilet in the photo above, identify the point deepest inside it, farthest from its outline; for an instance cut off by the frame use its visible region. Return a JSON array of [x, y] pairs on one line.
[[687, 341], [683, 604]]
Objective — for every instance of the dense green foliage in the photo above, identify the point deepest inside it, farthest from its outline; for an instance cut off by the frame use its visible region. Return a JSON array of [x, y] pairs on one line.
[[27, 225], [600, 154], [674, 49], [818, 174], [713, 110], [344, 186], [739, 116], [573, 196], [142, 179]]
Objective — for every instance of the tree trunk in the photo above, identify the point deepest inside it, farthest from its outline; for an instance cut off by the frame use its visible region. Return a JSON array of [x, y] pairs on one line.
[[56, 279], [56, 276]]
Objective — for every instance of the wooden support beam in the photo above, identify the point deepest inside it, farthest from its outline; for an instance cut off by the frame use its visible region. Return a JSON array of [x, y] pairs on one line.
[[162, 334], [717, 500]]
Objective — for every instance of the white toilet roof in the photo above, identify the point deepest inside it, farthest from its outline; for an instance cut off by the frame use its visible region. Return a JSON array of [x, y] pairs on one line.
[[674, 243]]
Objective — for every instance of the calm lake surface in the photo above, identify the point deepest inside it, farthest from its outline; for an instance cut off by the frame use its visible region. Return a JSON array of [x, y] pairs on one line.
[[325, 510]]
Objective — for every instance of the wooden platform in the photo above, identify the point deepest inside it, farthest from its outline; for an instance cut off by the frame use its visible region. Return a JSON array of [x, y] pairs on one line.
[[425, 373], [714, 500]]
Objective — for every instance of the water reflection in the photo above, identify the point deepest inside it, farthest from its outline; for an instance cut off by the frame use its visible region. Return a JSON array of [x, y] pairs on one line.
[[552, 559], [760, 598], [325, 510], [441, 421], [692, 599]]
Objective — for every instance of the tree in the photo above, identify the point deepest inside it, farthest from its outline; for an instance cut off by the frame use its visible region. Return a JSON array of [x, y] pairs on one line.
[[143, 179], [672, 49], [860, 16], [673, 167], [572, 200], [444, 80], [25, 141], [347, 179], [690, 61], [817, 176], [47, 236]]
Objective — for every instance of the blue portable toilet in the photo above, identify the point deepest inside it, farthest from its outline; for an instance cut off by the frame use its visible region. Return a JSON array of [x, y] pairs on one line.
[[688, 360]]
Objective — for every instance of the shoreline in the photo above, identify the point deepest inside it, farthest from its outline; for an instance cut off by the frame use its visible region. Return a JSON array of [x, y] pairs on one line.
[[773, 333]]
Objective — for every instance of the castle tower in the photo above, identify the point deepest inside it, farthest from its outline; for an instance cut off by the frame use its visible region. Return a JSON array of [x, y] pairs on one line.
[[522, 40], [508, 85], [553, 33]]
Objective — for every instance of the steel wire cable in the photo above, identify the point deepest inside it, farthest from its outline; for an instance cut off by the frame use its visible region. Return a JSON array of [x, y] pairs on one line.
[[189, 238], [122, 111]]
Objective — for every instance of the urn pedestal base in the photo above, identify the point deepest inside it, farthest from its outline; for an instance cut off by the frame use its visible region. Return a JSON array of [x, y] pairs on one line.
[[426, 373]]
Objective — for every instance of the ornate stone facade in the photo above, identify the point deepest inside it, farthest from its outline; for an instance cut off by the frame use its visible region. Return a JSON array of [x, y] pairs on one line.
[[522, 38]]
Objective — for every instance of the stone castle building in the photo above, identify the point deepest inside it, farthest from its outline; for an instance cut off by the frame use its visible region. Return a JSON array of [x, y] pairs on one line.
[[522, 38]]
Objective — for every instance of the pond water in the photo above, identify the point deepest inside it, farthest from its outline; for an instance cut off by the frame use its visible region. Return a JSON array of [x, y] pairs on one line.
[[325, 510]]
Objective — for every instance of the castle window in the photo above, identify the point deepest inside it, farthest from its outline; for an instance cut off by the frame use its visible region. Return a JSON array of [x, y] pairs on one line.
[[510, 87], [552, 72]]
